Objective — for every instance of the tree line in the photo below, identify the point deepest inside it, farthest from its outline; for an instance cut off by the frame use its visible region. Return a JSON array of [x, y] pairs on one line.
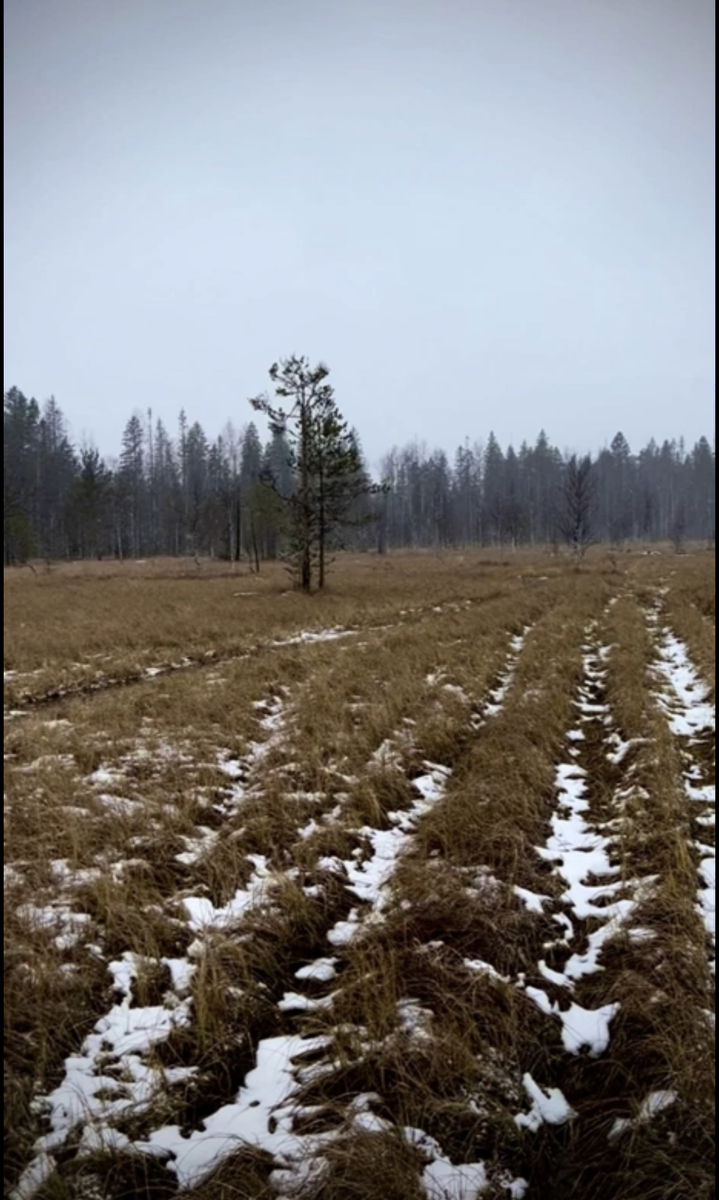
[[304, 489]]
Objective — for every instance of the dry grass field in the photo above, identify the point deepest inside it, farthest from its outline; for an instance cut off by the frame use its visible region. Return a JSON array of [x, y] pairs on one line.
[[401, 891]]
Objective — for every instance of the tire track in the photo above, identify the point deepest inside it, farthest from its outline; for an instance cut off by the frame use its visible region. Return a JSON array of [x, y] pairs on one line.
[[683, 698], [28, 702], [596, 902], [598, 978]]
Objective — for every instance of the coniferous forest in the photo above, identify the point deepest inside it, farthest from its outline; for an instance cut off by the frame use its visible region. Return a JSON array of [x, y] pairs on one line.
[[176, 492]]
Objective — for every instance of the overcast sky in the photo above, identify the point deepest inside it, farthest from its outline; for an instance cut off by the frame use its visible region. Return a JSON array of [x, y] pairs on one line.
[[482, 214]]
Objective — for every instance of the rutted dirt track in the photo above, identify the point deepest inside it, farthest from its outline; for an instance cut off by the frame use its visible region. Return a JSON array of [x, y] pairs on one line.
[[28, 690], [443, 913]]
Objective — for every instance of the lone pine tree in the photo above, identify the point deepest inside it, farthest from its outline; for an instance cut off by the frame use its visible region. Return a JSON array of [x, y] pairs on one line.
[[326, 476]]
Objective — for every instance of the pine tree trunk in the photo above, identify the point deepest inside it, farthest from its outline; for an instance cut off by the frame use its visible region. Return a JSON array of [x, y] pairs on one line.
[[322, 530], [238, 530], [306, 529]]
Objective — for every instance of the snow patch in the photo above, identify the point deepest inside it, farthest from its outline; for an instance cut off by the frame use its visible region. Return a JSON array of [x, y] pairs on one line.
[[549, 1107], [653, 1104], [443, 1181], [322, 970], [369, 878], [261, 1115], [203, 915], [109, 1078]]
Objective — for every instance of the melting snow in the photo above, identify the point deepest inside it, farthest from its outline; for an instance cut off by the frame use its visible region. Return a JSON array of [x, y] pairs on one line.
[[581, 1027], [296, 1002], [690, 713], [653, 1104], [343, 932], [121, 805], [484, 968], [688, 709], [68, 926], [322, 970], [587, 1027], [33, 1178], [499, 694], [369, 878], [202, 913], [443, 1181], [534, 901], [548, 1107], [108, 1078], [310, 636], [181, 972], [197, 847], [579, 852], [259, 1116]]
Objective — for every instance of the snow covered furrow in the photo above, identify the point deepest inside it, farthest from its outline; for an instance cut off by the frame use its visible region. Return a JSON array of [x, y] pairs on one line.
[[501, 689], [581, 852], [110, 1079], [370, 878], [262, 1113], [585, 848], [684, 699], [282, 1062]]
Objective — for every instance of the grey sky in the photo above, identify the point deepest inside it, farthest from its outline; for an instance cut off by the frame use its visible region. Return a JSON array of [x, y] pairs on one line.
[[481, 213]]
